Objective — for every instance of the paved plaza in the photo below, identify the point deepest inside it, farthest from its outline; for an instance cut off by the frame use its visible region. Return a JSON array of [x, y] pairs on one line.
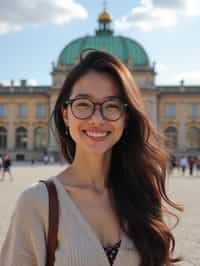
[[183, 189]]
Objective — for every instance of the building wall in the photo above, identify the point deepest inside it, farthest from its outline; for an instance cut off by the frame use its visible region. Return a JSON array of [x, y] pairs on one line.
[[182, 121], [156, 100], [12, 121]]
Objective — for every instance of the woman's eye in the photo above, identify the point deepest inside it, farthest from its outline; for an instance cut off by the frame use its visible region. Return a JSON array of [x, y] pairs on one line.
[[112, 106], [83, 105]]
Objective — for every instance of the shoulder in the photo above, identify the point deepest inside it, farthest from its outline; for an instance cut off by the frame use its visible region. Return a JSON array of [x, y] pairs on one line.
[[32, 198]]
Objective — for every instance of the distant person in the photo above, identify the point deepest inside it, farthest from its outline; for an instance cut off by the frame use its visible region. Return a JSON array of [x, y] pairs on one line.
[[172, 164], [46, 159], [51, 159], [1, 164], [191, 163], [197, 164], [6, 167], [183, 164]]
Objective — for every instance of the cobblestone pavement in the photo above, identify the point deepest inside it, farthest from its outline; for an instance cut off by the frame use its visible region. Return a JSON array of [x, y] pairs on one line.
[[182, 189]]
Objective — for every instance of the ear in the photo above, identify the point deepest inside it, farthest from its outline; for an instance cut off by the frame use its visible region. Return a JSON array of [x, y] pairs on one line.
[[64, 112]]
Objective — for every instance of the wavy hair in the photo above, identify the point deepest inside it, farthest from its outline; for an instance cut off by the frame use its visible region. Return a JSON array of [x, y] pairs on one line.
[[137, 176]]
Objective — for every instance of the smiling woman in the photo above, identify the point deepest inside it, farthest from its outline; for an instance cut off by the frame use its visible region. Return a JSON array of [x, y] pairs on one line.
[[112, 197]]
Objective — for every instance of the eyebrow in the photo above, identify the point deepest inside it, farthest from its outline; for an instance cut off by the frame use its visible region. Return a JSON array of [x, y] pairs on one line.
[[85, 95]]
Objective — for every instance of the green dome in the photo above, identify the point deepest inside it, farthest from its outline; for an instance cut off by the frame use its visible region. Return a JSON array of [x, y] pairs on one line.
[[126, 49]]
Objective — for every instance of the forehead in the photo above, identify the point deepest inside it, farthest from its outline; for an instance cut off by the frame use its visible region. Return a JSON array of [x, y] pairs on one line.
[[96, 85]]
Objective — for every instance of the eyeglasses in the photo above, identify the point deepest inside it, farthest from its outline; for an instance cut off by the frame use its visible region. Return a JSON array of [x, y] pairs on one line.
[[83, 108]]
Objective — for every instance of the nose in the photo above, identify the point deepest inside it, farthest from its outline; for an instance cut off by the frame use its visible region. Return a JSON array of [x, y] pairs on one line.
[[97, 113]]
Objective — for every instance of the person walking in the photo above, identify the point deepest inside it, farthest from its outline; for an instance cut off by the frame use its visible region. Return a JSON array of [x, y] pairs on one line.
[[183, 164], [191, 163], [6, 167], [1, 164], [111, 195]]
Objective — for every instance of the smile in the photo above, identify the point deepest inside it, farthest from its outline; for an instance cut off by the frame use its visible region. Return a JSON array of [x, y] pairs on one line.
[[96, 135]]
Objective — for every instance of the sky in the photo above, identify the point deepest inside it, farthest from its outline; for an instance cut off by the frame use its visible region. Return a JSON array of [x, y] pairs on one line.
[[33, 33]]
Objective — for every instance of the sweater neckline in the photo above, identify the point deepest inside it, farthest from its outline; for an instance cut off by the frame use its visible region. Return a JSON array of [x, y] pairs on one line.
[[91, 233]]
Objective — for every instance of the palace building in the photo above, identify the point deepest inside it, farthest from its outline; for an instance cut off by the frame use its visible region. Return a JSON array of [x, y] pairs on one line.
[[25, 110]]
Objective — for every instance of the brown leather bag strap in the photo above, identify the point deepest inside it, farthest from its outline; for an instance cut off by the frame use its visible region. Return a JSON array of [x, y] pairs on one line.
[[53, 222]]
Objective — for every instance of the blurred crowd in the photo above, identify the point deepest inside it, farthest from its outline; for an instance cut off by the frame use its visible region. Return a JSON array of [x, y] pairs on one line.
[[185, 164]]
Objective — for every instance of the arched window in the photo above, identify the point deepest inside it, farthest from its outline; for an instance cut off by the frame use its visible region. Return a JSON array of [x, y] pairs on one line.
[[40, 138], [171, 134], [193, 138], [21, 138], [3, 138]]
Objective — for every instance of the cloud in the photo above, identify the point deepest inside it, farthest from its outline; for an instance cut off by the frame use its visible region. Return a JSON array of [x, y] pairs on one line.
[[147, 19], [158, 14], [15, 15], [184, 7], [169, 4]]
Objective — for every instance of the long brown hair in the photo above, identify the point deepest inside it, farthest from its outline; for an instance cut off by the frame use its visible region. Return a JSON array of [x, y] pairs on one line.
[[137, 176]]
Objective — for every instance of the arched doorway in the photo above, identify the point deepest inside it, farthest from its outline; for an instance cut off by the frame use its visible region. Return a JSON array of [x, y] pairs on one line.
[[21, 138], [3, 138], [40, 138], [171, 134], [193, 138]]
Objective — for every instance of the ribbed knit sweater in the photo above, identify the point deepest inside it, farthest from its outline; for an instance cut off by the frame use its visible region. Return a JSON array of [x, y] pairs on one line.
[[78, 244]]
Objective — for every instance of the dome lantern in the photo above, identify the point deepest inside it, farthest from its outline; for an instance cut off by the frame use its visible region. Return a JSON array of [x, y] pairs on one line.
[[104, 20]]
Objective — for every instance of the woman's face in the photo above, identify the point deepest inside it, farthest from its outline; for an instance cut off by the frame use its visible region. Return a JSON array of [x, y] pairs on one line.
[[95, 134]]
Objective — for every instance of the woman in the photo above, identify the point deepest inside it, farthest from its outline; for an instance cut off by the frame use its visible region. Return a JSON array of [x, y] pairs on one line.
[[111, 196]]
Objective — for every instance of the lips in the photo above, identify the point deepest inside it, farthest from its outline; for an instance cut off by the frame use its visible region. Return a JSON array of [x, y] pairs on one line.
[[96, 134]]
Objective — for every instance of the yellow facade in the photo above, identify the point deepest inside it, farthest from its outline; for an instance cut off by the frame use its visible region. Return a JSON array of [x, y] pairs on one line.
[[11, 121], [185, 121], [180, 123]]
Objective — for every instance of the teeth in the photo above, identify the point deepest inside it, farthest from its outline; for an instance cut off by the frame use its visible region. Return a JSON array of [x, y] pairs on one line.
[[95, 134]]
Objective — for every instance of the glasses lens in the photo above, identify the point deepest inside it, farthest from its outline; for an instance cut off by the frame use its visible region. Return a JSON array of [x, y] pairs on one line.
[[82, 108], [112, 109]]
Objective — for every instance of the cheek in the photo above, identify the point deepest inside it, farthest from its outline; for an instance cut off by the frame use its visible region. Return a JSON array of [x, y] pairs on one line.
[[74, 127], [120, 127]]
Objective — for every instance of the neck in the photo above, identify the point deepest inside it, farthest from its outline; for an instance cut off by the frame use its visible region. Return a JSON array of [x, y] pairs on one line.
[[91, 170]]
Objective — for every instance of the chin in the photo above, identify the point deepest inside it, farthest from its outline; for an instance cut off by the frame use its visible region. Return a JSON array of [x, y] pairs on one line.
[[97, 150]]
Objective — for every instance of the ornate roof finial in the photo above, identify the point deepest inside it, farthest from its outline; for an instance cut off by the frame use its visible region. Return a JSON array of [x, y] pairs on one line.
[[105, 21], [105, 16], [105, 5]]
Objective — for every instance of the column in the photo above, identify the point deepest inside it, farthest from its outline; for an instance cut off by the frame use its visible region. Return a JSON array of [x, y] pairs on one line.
[[181, 129], [53, 146], [11, 129], [30, 137]]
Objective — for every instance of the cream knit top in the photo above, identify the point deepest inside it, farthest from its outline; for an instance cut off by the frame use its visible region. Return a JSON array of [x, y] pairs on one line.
[[78, 245]]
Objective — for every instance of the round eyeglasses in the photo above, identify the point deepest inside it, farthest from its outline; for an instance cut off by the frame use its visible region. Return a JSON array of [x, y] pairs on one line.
[[83, 108]]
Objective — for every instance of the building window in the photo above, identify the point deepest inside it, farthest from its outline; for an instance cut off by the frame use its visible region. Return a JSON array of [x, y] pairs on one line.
[[171, 134], [170, 110], [40, 138], [21, 138], [22, 110], [193, 110], [40, 110], [3, 138], [193, 138], [2, 109]]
